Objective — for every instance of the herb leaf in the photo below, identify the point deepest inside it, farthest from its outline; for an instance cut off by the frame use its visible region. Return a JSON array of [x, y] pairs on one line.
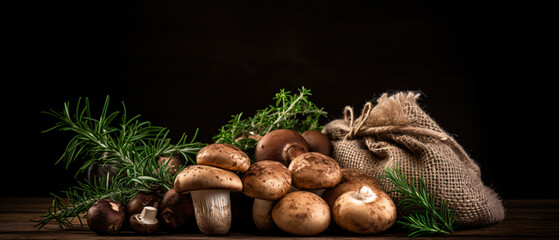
[[131, 148], [290, 111], [424, 216]]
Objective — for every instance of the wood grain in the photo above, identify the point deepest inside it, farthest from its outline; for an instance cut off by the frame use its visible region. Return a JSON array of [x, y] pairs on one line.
[[525, 219]]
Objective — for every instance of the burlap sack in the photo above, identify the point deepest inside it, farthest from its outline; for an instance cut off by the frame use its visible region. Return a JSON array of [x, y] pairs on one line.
[[397, 130]]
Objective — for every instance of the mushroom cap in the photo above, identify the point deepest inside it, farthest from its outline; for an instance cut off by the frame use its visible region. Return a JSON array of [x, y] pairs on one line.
[[142, 227], [268, 180], [352, 180], [224, 156], [364, 216], [314, 170], [106, 217], [203, 177], [173, 162], [318, 142], [275, 145], [138, 202], [177, 210], [301, 213]]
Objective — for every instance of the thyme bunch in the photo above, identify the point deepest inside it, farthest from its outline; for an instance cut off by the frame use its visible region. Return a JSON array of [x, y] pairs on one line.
[[290, 111], [424, 217], [132, 147]]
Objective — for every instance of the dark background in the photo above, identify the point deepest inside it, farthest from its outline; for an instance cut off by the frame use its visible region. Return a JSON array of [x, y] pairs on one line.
[[481, 68]]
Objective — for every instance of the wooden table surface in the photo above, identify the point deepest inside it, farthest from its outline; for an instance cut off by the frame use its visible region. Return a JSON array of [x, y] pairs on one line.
[[525, 219]]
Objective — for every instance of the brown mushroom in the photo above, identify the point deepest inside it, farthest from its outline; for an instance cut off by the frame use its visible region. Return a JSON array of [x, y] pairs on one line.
[[209, 187], [137, 203], [352, 180], [315, 171], [266, 181], [173, 163], [176, 209], [223, 156], [301, 213], [145, 222], [106, 217], [280, 145], [365, 211], [318, 142]]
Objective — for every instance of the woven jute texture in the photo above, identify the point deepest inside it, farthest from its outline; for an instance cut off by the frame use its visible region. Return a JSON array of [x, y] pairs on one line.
[[397, 131]]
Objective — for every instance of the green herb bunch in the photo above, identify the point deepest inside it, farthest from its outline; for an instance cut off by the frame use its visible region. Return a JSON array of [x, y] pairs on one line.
[[290, 111], [132, 147], [424, 216]]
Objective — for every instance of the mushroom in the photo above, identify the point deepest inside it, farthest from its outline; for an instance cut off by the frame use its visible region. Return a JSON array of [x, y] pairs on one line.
[[173, 163], [281, 145], [352, 180], [105, 217], [137, 203], [365, 211], [209, 187], [315, 171], [318, 142], [145, 222], [301, 213], [223, 156], [176, 209], [266, 181]]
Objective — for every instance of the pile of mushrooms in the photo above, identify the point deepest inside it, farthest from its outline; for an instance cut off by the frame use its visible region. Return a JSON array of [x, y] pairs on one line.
[[146, 212], [298, 188], [108, 217]]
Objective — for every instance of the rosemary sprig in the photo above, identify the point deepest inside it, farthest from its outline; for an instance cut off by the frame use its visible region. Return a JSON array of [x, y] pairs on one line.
[[132, 148], [79, 198], [290, 111], [424, 216]]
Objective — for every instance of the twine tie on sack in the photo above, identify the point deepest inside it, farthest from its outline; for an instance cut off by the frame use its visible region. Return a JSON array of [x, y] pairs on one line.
[[356, 126]]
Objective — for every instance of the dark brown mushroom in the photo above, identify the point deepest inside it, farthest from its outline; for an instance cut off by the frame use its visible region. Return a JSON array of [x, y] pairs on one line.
[[137, 203], [318, 142], [280, 145], [145, 222], [106, 217], [173, 163], [177, 210]]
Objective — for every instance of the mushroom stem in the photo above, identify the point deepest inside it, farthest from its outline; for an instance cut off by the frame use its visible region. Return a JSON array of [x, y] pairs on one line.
[[149, 215], [262, 214], [291, 152], [365, 194], [212, 209]]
